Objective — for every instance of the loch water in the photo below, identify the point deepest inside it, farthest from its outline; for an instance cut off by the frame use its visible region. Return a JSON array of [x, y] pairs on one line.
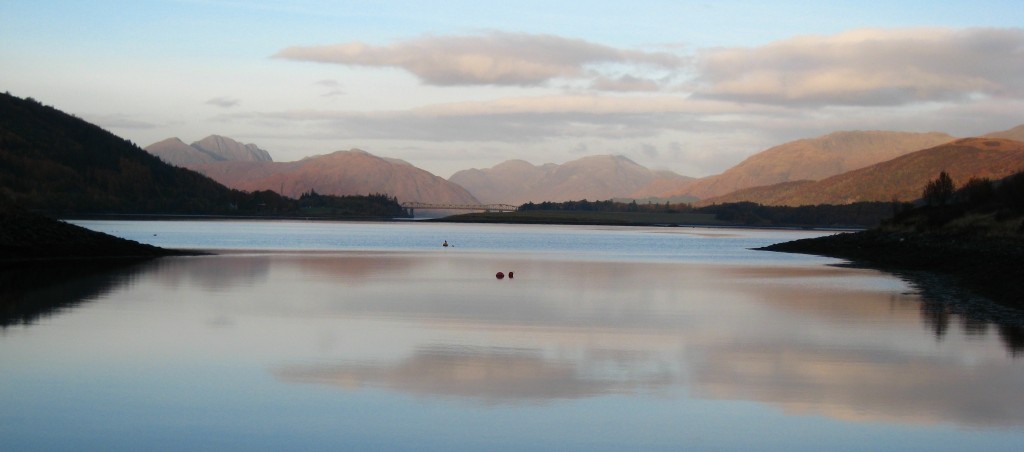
[[372, 336]]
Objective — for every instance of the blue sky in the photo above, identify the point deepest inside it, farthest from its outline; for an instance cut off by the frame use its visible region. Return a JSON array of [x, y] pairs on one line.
[[693, 87]]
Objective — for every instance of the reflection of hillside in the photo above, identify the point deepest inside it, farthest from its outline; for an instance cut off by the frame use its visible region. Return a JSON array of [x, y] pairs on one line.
[[30, 291], [939, 302], [213, 273], [830, 341], [490, 375], [357, 266]]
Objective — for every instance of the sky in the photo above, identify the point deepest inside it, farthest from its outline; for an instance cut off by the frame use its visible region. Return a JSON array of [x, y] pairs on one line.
[[692, 87]]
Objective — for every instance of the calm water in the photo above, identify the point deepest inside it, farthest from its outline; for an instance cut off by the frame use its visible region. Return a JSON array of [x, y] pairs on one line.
[[371, 336]]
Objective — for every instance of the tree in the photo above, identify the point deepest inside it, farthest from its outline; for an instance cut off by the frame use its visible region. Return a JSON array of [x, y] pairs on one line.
[[939, 191], [976, 192]]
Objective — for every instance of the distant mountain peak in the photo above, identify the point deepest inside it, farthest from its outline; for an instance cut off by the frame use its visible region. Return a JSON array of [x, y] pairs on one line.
[[224, 148], [210, 149], [592, 177], [343, 172]]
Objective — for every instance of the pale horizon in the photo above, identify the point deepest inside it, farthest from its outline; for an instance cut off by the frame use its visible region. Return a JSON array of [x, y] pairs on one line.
[[691, 88]]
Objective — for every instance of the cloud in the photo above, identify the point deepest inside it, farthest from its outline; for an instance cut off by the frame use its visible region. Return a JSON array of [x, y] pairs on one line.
[[223, 102], [488, 375], [869, 67], [625, 83], [515, 119], [120, 121], [494, 58], [333, 88]]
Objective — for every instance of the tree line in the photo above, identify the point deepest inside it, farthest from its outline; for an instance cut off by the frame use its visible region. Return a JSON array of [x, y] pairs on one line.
[[862, 214], [943, 201]]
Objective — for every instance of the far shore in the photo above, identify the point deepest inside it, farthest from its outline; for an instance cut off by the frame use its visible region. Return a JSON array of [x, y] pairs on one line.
[[187, 217]]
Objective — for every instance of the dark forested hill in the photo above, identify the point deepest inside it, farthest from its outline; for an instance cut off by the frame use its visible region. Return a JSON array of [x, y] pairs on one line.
[[56, 162]]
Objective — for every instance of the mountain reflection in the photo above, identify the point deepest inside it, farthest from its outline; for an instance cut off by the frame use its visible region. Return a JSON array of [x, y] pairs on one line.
[[837, 342], [30, 291], [490, 375]]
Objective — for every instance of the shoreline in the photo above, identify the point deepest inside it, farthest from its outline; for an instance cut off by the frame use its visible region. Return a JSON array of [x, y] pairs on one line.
[[987, 266]]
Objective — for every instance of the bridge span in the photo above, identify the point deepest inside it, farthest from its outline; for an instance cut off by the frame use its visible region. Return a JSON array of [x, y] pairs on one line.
[[412, 206]]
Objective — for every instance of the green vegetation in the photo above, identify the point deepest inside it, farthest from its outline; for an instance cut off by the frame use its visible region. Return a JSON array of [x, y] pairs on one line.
[[376, 205], [587, 217], [58, 164], [857, 215], [976, 236], [939, 191]]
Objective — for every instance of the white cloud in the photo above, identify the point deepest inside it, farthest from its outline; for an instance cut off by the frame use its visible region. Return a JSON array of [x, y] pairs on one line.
[[869, 67], [223, 102], [494, 58], [625, 83], [516, 119]]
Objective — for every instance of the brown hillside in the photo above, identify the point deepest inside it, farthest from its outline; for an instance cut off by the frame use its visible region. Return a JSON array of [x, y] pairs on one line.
[[593, 177], [901, 178], [663, 182], [1016, 134], [502, 183], [814, 159], [353, 172]]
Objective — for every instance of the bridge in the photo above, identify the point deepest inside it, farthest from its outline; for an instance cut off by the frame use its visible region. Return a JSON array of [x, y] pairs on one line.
[[412, 206]]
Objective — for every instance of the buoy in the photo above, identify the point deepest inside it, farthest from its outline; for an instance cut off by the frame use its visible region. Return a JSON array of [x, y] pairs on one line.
[[509, 275], [499, 275]]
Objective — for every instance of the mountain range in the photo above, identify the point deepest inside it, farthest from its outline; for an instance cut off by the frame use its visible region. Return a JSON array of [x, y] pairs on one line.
[[900, 179], [213, 148], [595, 178], [838, 168], [814, 159], [352, 172]]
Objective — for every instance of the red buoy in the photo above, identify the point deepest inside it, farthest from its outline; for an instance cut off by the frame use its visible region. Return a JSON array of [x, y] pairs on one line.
[[509, 275], [499, 275]]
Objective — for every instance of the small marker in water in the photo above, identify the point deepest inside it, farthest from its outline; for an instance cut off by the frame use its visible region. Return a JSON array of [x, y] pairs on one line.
[[499, 275]]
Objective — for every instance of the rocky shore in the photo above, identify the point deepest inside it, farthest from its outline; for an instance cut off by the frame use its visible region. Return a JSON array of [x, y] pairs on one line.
[[990, 266]]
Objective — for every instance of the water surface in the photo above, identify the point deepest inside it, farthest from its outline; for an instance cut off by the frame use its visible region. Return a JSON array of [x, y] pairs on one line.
[[370, 335]]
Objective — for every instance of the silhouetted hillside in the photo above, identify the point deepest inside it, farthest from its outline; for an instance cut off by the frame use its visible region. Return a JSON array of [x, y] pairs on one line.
[[28, 236], [53, 161]]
